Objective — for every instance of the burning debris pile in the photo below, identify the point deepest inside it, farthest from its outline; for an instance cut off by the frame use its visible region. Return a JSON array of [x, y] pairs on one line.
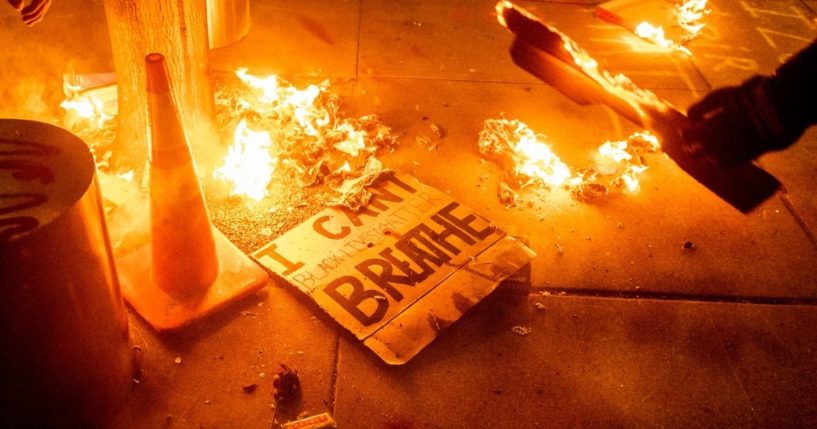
[[529, 161], [88, 117], [303, 131], [271, 124], [273, 130]]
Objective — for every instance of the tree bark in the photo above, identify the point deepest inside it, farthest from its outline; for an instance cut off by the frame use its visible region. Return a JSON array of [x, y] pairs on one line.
[[178, 30]]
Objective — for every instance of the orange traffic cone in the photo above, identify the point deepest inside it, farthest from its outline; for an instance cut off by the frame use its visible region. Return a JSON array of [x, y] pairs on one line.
[[184, 252], [192, 268]]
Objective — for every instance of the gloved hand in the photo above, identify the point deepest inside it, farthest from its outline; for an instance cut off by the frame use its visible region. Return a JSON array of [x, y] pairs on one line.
[[737, 124], [34, 12]]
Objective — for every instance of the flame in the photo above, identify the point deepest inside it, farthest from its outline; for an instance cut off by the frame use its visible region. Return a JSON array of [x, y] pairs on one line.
[[126, 176], [536, 159], [354, 142], [688, 16], [656, 34], [85, 116], [248, 165], [630, 177], [305, 130], [87, 108], [300, 104], [626, 154], [530, 159]]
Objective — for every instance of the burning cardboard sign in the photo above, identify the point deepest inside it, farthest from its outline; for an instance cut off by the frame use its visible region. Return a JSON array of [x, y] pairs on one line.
[[400, 270]]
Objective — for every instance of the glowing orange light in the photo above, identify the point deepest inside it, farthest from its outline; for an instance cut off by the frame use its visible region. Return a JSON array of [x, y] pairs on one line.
[[655, 34], [688, 17], [531, 158], [302, 129], [248, 165], [87, 108]]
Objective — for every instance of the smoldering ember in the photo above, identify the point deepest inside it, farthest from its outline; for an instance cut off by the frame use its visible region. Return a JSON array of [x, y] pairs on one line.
[[408, 214]]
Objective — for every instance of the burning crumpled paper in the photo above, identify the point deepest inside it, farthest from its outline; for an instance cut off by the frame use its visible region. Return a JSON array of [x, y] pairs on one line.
[[302, 130], [527, 159], [88, 115]]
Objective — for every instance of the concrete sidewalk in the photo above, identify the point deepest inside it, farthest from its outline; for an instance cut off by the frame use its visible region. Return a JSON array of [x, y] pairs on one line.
[[626, 328]]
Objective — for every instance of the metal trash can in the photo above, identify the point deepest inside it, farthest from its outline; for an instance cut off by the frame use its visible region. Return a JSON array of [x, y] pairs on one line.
[[65, 358], [227, 21]]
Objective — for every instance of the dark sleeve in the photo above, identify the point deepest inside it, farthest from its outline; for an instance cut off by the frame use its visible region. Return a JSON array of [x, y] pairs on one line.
[[793, 90]]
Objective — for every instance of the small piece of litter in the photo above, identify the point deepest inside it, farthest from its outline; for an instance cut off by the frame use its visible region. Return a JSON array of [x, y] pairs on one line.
[[249, 388], [521, 330], [320, 421], [507, 195], [178, 360], [287, 385], [437, 131], [688, 247]]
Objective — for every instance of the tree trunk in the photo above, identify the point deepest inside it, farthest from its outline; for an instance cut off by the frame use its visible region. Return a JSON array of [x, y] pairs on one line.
[[178, 30]]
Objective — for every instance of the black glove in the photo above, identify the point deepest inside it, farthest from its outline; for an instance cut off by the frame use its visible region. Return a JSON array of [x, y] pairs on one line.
[[737, 124]]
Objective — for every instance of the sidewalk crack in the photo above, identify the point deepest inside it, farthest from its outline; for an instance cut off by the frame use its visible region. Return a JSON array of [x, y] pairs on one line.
[[733, 366], [784, 197], [333, 385]]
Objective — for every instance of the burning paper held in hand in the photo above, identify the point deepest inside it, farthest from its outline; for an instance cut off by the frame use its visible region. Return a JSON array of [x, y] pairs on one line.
[[400, 270], [553, 57]]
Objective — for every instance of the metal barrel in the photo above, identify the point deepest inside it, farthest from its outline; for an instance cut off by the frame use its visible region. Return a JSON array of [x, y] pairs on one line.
[[227, 21], [65, 359]]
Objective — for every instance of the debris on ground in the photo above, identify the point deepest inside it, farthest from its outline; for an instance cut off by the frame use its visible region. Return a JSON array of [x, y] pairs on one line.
[[352, 192], [439, 132], [507, 196], [303, 131], [286, 385], [249, 388], [589, 192], [688, 247], [319, 421], [521, 330], [426, 142], [527, 159], [539, 306]]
